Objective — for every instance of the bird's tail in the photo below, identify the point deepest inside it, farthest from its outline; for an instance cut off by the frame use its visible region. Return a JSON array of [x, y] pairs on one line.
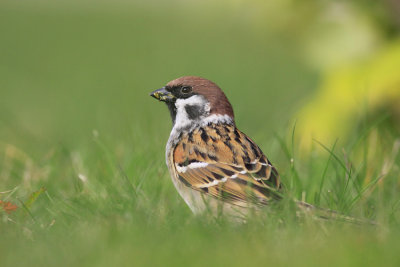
[[327, 214]]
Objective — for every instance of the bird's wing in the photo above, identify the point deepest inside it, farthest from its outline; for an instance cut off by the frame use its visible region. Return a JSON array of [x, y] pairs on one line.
[[221, 161]]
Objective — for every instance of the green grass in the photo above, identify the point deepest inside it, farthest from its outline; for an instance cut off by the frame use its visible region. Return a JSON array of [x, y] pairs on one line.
[[76, 119]]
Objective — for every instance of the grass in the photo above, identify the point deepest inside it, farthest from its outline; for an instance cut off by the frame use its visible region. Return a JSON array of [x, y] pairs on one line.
[[82, 146], [99, 208]]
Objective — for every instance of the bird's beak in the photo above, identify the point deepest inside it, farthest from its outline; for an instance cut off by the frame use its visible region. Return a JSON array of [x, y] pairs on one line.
[[162, 95]]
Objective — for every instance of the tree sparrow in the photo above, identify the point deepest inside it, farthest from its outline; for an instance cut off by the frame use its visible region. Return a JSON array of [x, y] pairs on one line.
[[213, 165]]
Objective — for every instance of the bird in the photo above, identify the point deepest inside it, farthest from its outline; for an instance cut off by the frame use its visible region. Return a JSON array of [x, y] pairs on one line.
[[213, 165]]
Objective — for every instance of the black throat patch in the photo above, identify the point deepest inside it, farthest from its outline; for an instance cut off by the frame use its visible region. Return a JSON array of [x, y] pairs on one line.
[[172, 111]]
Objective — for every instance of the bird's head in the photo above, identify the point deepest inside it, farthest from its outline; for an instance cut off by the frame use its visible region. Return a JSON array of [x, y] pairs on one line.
[[194, 100]]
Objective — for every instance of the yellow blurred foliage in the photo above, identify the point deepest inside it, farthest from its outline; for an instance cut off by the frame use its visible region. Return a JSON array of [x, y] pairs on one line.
[[348, 92]]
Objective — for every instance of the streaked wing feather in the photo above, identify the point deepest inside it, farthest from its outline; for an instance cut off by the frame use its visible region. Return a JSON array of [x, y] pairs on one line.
[[224, 163]]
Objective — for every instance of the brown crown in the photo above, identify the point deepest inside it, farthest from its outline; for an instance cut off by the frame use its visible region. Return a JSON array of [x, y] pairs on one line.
[[219, 103]]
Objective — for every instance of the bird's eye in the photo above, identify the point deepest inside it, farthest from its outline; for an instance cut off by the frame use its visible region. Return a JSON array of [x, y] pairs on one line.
[[186, 89]]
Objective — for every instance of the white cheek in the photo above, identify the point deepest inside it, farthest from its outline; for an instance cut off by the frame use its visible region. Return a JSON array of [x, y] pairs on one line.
[[181, 119], [217, 118], [193, 100]]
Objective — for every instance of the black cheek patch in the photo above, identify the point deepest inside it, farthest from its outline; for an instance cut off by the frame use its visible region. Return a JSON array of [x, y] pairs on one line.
[[194, 111]]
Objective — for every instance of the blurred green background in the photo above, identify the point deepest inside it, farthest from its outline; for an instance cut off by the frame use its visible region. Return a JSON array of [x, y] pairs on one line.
[[76, 119], [70, 68]]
